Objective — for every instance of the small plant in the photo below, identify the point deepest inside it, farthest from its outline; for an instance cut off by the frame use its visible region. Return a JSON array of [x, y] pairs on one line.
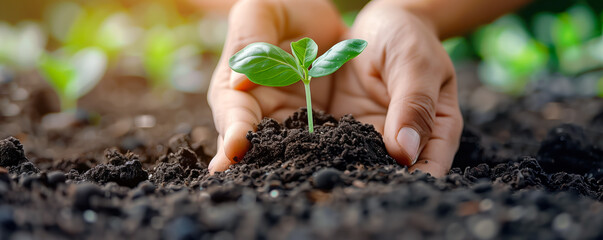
[[72, 77], [268, 65]]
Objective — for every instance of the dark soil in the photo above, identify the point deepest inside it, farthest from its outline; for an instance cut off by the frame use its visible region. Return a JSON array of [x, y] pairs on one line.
[[333, 144], [514, 176], [335, 183]]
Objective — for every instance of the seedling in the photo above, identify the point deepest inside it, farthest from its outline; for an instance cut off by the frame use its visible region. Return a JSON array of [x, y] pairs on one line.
[[268, 65], [75, 76]]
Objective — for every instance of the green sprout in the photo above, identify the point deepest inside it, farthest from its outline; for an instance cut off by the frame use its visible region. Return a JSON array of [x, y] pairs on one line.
[[158, 60], [72, 77], [268, 65]]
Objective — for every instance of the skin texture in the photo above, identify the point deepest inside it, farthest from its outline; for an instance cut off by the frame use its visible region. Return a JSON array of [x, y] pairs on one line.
[[403, 83]]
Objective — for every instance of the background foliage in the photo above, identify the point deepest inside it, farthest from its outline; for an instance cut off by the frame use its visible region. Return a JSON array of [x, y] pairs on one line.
[[175, 44]]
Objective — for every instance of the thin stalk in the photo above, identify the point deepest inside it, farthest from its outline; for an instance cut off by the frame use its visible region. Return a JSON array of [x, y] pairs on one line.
[[68, 104], [309, 106]]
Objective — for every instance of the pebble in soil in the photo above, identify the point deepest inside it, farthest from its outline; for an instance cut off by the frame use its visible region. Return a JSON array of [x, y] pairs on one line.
[[336, 183]]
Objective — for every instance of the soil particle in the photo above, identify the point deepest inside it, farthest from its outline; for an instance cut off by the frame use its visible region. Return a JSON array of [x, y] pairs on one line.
[[326, 179], [84, 193], [525, 173], [131, 143], [28, 181], [4, 176], [578, 184], [125, 170], [179, 141], [7, 221], [80, 165], [184, 141], [179, 166], [11, 152], [567, 148], [229, 192], [55, 178], [185, 157], [27, 168], [167, 172], [182, 228], [12, 156]]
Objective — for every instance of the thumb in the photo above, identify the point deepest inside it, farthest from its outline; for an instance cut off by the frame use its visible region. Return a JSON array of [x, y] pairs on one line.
[[410, 119]]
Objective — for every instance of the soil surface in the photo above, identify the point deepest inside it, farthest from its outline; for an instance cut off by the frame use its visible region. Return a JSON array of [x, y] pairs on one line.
[[515, 176]]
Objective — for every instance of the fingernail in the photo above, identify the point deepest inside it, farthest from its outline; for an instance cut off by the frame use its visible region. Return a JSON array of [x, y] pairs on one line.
[[236, 79], [409, 140]]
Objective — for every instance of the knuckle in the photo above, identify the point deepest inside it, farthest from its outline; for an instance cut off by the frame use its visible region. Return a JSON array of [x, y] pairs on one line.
[[449, 75], [421, 109]]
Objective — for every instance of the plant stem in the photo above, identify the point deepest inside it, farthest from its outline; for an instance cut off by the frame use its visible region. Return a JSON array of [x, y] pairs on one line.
[[309, 106], [68, 104]]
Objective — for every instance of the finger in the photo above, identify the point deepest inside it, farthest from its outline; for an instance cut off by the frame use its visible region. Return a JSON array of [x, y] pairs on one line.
[[438, 154], [220, 162], [414, 72], [239, 81], [237, 112], [250, 21], [410, 115], [439, 151]]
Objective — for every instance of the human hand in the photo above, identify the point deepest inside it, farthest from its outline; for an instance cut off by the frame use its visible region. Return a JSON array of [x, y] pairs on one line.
[[233, 98], [404, 84]]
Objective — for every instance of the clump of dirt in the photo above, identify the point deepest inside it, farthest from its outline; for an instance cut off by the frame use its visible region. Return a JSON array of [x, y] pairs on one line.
[[333, 143], [11, 152], [12, 157], [567, 148], [179, 167], [125, 170]]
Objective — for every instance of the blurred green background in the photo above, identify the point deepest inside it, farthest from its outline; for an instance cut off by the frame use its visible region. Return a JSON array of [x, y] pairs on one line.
[[543, 39], [176, 43]]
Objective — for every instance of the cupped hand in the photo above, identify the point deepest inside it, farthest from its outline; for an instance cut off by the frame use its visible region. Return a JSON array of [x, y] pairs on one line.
[[237, 104], [404, 84]]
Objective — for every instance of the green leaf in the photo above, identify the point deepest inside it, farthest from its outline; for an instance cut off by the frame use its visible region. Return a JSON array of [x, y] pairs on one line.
[[305, 51], [335, 57], [267, 65], [57, 72], [158, 58], [90, 65]]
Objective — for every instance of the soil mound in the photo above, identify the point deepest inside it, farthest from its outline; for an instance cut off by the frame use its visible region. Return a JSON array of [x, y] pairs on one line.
[[333, 144]]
